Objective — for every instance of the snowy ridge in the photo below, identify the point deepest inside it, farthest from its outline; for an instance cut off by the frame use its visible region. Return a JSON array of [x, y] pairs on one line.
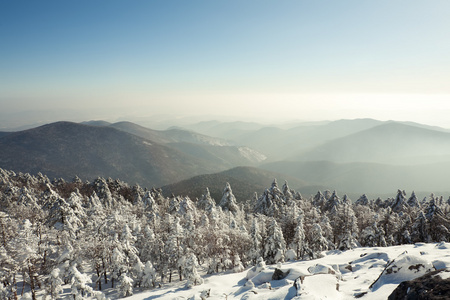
[[252, 155], [351, 274]]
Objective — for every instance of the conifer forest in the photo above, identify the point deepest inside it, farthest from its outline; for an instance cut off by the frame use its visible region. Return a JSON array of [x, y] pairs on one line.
[[107, 233]]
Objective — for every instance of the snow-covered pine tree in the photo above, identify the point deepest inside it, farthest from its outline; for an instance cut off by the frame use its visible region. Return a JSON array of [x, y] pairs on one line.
[[256, 238], [438, 225], [206, 202], [332, 204], [190, 265], [270, 203], [53, 285], [299, 241], [318, 242], [149, 275], [228, 201], [274, 246], [413, 201], [125, 285], [399, 204]]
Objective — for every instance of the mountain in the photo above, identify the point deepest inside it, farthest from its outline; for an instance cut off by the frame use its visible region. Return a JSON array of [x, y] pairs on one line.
[[170, 135], [4, 133], [279, 143], [369, 178], [391, 143], [226, 130], [96, 123], [65, 149], [244, 181], [215, 151]]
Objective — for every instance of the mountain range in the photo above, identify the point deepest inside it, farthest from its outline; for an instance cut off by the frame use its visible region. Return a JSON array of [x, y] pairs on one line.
[[351, 156]]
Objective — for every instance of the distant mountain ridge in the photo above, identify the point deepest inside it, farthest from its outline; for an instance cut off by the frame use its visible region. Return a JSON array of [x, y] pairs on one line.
[[120, 150], [170, 135], [244, 181], [65, 149], [392, 143], [352, 156]]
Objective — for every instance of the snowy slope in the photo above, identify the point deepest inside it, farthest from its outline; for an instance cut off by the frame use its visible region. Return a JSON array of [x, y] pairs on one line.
[[367, 273]]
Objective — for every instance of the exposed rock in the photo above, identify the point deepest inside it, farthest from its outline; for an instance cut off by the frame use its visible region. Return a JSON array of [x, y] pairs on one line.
[[405, 267], [298, 284], [279, 274], [434, 285], [321, 269]]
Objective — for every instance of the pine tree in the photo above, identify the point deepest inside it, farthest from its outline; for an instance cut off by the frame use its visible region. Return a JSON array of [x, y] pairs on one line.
[[79, 283], [256, 238], [318, 242], [228, 202], [299, 242], [125, 286], [270, 203], [149, 275], [206, 202], [190, 265], [275, 246], [53, 284]]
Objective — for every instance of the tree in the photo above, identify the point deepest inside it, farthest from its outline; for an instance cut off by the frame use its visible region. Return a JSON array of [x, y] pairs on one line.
[[275, 246], [206, 202], [299, 242], [256, 238], [117, 265], [79, 283], [125, 286], [228, 201], [317, 241], [271, 201], [149, 276], [190, 265], [53, 286]]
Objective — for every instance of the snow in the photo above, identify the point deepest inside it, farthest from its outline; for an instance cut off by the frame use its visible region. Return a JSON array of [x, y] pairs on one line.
[[251, 154], [371, 272]]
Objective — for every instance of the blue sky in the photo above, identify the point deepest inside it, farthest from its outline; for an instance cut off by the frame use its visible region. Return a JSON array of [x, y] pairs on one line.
[[289, 59]]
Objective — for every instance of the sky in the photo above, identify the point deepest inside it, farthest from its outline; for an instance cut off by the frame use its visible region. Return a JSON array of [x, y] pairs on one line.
[[256, 60]]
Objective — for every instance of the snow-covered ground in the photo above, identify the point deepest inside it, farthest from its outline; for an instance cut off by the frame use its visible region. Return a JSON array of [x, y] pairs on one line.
[[365, 273]]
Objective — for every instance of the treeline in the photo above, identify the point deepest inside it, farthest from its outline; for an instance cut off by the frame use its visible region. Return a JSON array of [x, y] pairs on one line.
[[106, 232]]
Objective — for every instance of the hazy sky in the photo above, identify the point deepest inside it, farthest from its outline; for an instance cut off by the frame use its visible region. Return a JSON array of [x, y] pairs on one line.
[[258, 60]]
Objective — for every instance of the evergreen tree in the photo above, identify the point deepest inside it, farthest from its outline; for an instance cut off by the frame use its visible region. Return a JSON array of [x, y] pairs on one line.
[[228, 202], [53, 285], [275, 246], [256, 238], [206, 202], [149, 275], [190, 265], [125, 286]]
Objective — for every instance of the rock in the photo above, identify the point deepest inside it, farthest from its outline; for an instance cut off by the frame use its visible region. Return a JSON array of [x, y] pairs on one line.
[[279, 274], [205, 294], [298, 284], [433, 285], [321, 269], [405, 267]]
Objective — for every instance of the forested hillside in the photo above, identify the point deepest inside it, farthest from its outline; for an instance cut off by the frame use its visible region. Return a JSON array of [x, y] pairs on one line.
[[109, 237]]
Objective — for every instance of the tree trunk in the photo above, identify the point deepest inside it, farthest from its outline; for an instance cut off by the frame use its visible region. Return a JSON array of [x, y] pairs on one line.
[[15, 284], [104, 271], [32, 286], [99, 278]]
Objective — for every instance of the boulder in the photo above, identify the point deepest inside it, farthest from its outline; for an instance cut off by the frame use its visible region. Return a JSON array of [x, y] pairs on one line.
[[278, 274], [431, 286]]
